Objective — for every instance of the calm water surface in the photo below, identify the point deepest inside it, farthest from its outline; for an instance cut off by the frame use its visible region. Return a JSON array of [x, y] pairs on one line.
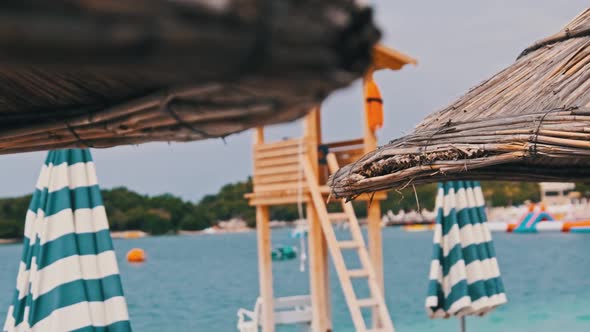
[[197, 283]]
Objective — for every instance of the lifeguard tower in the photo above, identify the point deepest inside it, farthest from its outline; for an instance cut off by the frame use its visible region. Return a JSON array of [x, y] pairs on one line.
[[295, 171]]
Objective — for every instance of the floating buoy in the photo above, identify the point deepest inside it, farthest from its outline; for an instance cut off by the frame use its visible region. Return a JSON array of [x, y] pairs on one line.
[[283, 253], [136, 255]]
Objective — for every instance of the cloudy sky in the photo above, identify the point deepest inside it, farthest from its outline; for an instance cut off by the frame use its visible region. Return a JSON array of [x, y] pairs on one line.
[[458, 43]]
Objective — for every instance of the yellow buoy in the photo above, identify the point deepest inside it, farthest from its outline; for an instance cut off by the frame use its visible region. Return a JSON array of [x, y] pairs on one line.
[[136, 255]]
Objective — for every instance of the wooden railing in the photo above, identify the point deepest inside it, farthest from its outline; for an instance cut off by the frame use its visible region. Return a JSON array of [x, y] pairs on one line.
[[278, 174], [277, 166], [347, 151]]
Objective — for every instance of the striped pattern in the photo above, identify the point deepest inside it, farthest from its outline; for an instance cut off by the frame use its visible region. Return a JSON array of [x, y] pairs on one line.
[[68, 279], [464, 274]]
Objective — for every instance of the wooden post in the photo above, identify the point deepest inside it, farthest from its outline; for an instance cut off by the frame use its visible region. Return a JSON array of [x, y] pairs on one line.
[[259, 135], [318, 252], [375, 248], [373, 208], [265, 268], [264, 256]]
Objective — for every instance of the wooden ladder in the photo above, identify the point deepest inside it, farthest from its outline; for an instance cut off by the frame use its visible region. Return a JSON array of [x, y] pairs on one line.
[[376, 300]]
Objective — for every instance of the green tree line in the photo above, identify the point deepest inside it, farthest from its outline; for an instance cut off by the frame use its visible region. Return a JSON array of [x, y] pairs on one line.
[[162, 214]]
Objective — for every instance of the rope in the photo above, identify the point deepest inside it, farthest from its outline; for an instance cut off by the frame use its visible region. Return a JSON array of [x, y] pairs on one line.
[[534, 138], [303, 256], [78, 138], [165, 107]]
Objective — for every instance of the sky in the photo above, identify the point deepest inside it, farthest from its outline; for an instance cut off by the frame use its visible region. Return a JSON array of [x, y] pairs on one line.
[[458, 43]]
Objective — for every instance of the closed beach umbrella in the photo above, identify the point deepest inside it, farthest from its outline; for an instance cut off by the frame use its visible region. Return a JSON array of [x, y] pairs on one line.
[[464, 274], [68, 279]]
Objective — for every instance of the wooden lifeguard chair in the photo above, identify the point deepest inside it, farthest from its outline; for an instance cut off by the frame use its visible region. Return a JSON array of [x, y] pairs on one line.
[[295, 171]]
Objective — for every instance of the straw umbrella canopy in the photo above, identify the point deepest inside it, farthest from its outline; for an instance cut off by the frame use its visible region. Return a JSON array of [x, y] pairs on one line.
[[528, 122], [89, 73], [464, 274], [68, 276]]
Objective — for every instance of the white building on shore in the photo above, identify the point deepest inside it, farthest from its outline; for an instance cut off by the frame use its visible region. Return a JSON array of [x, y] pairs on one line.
[[555, 193]]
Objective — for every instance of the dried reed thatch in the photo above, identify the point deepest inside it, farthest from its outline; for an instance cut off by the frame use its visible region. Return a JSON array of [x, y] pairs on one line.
[[531, 121], [101, 73]]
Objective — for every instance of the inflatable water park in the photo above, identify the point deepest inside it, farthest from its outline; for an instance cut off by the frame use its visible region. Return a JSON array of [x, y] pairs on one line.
[[538, 219]]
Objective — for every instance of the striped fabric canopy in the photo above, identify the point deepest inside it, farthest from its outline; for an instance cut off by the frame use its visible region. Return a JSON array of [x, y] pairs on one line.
[[68, 279], [464, 274]]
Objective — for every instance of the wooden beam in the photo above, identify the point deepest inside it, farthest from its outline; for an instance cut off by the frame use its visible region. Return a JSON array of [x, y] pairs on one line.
[[259, 135], [373, 210], [318, 271], [375, 248], [264, 255], [265, 268], [318, 254], [388, 58]]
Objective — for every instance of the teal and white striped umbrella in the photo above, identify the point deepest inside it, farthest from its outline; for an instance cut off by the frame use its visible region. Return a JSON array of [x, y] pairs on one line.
[[68, 279], [464, 274]]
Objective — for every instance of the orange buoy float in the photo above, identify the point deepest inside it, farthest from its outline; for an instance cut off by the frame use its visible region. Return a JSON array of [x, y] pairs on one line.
[[373, 105], [532, 207], [136, 255]]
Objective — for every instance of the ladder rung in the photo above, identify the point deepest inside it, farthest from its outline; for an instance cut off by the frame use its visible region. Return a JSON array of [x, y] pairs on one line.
[[370, 302], [338, 216], [360, 273], [348, 244], [375, 301]]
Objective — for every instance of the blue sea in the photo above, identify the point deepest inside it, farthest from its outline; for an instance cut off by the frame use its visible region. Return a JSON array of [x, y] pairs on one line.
[[197, 283]]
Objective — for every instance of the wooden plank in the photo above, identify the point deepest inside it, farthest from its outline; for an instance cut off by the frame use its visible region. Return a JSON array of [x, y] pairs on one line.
[[350, 152], [349, 160], [265, 268], [289, 186], [358, 273], [278, 193], [259, 135], [277, 170], [375, 249], [370, 302], [339, 144], [384, 319], [324, 255], [376, 291], [283, 160], [338, 216], [278, 145], [317, 271], [270, 201], [332, 243], [348, 244], [288, 151], [280, 178]]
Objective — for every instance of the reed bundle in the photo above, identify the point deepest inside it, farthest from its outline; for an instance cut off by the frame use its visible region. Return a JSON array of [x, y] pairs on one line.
[[90, 73], [531, 122]]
